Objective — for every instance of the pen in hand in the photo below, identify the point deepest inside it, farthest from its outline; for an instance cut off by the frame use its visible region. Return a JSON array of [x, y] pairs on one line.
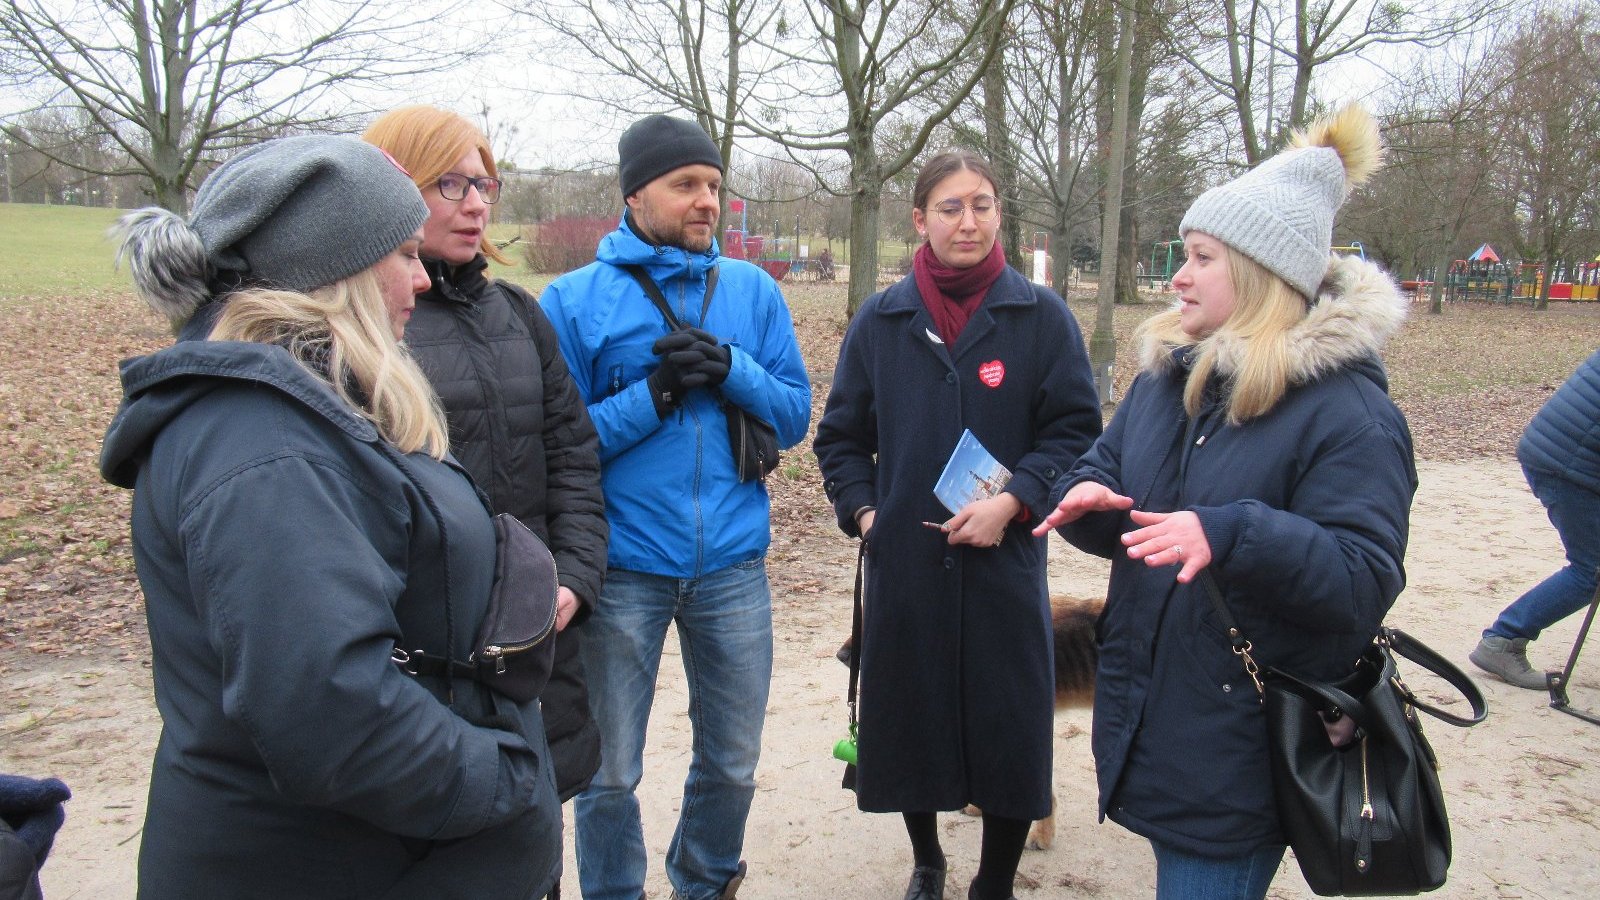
[[934, 525]]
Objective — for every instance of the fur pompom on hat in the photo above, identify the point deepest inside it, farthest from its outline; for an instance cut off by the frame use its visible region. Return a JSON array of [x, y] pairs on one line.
[[294, 213], [1280, 213], [655, 145]]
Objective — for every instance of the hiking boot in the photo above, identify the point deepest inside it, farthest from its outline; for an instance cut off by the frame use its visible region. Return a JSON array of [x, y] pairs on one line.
[[927, 883], [1508, 659]]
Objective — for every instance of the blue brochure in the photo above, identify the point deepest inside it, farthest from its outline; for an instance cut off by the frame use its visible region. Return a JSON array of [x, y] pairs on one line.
[[971, 473]]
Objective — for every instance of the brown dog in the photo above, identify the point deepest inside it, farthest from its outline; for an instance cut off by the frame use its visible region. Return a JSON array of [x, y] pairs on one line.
[[1072, 622]]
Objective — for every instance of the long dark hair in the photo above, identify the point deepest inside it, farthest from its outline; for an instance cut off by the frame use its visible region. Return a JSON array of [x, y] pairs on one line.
[[944, 164]]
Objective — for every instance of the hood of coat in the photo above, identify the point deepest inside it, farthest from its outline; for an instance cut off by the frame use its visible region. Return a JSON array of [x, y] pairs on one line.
[[623, 247], [159, 387], [1358, 308]]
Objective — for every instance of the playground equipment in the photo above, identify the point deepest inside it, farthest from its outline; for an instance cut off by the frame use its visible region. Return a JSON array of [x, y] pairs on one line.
[[1166, 258], [1354, 248], [778, 258]]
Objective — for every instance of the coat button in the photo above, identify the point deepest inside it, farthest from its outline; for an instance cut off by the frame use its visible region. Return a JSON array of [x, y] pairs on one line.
[[950, 377], [1050, 472], [949, 563], [1227, 689]]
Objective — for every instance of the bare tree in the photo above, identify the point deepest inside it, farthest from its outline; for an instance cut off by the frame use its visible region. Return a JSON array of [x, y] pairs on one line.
[[650, 54], [880, 57], [1554, 171], [1102, 344], [1243, 43], [176, 83], [1446, 142]]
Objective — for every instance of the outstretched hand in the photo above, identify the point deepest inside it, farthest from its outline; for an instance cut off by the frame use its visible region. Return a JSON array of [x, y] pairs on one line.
[[1085, 497], [1169, 539]]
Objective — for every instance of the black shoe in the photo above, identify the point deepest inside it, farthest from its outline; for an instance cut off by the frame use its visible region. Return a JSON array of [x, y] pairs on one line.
[[927, 883]]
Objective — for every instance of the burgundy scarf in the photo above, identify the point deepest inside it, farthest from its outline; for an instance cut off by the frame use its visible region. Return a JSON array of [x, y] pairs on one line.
[[953, 295]]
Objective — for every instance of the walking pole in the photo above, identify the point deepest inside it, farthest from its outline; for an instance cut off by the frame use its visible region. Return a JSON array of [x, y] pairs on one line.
[[1558, 681]]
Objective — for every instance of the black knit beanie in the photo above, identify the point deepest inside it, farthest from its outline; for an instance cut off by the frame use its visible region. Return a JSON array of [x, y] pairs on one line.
[[655, 145]]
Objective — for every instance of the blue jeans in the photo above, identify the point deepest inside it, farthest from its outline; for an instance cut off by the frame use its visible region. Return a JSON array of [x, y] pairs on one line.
[[1181, 875], [1575, 512], [725, 634]]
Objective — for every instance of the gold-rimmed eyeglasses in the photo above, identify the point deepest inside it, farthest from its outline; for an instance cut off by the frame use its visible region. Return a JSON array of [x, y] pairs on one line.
[[453, 186], [984, 209]]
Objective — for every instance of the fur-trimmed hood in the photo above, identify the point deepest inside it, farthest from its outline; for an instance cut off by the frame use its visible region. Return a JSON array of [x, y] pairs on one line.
[[1358, 308]]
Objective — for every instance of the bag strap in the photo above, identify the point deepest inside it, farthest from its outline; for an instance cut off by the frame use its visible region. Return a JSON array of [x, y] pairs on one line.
[[1241, 645], [1428, 658], [1389, 639], [653, 291], [855, 638]]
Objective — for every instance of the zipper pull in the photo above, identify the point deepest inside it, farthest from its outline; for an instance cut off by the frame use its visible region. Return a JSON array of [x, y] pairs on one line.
[[497, 654]]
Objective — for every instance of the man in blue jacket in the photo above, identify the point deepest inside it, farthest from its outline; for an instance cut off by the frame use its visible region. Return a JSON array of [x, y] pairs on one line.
[[688, 537]]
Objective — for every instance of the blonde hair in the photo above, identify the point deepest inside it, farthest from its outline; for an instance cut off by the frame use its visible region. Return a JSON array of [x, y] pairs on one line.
[[1252, 346], [341, 334], [428, 141]]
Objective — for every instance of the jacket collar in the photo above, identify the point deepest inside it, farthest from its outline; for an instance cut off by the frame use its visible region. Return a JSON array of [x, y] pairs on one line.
[[1011, 289], [458, 284], [1358, 308], [624, 247]]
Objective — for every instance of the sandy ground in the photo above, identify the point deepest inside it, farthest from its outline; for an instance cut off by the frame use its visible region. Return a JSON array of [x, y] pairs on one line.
[[1524, 787]]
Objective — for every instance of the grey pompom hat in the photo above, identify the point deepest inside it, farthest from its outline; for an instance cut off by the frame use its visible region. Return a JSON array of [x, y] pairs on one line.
[[1279, 214], [304, 212]]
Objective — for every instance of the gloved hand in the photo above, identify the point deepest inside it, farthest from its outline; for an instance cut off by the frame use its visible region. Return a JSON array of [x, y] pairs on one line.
[[716, 365], [675, 377]]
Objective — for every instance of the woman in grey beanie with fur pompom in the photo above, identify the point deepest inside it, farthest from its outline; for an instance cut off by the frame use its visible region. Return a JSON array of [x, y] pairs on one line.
[[303, 540], [1259, 445]]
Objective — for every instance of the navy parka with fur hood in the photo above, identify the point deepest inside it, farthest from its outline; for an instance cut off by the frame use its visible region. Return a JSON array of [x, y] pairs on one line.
[[957, 677], [1306, 510], [285, 549]]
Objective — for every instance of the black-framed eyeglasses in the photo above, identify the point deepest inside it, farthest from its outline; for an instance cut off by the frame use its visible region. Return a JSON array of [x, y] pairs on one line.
[[984, 209], [453, 186]]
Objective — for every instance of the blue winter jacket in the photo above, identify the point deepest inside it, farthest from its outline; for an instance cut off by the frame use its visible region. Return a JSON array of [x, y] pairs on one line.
[[673, 499], [1306, 510], [1564, 437]]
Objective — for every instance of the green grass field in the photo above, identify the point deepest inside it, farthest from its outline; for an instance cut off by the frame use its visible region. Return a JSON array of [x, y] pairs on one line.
[[49, 251], [54, 251]]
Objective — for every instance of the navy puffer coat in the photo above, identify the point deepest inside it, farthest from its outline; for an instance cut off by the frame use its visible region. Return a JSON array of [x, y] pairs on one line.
[[519, 427], [1564, 437]]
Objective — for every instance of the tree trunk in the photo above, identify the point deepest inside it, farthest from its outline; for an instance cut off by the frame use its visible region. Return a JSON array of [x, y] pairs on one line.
[[1103, 345], [865, 200], [1547, 275], [1441, 265], [1001, 156]]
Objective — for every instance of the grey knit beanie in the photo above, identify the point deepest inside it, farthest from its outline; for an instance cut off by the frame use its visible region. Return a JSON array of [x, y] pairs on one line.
[[655, 145], [1280, 213], [303, 212], [296, 213]]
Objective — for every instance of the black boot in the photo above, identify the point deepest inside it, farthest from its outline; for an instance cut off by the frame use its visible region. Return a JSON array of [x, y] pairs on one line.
[[927, 883]]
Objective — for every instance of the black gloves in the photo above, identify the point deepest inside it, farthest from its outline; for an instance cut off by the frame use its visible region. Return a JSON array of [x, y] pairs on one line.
[[718, 359], [690, 358]]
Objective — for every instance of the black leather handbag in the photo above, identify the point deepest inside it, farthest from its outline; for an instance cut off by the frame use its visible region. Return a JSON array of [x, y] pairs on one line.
[[1359, 800]]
